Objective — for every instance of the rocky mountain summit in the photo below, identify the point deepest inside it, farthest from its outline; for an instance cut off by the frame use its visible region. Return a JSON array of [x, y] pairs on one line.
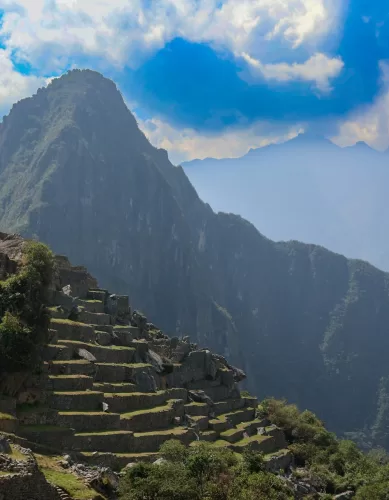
[[303, 323]]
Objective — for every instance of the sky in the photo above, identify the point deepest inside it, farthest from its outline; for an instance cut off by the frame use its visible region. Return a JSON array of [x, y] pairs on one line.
[[214, 78]]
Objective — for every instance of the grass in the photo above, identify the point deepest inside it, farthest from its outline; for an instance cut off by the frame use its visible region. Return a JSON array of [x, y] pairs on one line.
[[69, 376], [244, 425], [76, 393], [230, 432], [135, 394], [105, 433], [252, 439], [70, 483], [17, 455], [6, 416], [68, 322], [174, 431], [90, 413], [66, 343], [44, 428], [72, 362], [195, 404], [126, 365], [157, 409]]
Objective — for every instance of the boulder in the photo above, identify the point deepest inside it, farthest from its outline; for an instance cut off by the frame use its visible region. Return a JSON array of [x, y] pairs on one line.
[[104, 338], [145, 382], [5, 447], [155, 361], [84, 354]]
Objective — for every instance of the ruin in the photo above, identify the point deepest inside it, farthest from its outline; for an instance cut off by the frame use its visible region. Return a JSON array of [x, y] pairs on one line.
[[114, 388]]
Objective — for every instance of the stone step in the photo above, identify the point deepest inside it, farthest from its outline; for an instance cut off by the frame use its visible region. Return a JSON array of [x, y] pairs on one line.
[[239, 416], [92, 306], [97, 294], [89, 318], [109, 372], [209, 436], [252, 426], [201, 422], [60, 438], [37, 415], [197, 409], [124, 387], [155, 418], [56, 352], [126, 334], [8, 423], [219, 425], [70, 383], [114, 354], [232, 435], [228, 406], [149, 442], [103, 328], [73, 330], [118, 441], [263, 444], [72, 367], [124, 403], [89, 421], [77, 401], [117, 461]]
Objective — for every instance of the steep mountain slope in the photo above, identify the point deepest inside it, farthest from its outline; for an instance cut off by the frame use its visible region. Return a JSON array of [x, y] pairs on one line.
[[307, 189], [303, 322]]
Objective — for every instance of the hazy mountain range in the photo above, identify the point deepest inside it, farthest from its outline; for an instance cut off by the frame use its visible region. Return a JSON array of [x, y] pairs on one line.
[[306, 189]]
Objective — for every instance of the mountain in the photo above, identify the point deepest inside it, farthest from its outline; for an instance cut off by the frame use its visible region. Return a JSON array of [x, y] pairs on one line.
[[306, 189], [303, 322]]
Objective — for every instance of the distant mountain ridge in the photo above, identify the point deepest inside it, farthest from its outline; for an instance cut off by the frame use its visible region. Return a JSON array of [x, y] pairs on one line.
[[304, 323], [305, 189]]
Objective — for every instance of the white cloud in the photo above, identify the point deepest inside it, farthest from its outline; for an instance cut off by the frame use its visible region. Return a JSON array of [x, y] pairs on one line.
[[318, 68], [125, 31], [185, 144], [371, 124], [13, 85]]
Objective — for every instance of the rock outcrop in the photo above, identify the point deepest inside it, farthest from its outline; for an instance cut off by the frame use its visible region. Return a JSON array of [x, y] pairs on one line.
[[114, 387]]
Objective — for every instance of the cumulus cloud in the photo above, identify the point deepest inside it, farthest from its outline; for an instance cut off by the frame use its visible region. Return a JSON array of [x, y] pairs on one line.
[[319, 69], [125, 32], [13, 85], [185, 144]]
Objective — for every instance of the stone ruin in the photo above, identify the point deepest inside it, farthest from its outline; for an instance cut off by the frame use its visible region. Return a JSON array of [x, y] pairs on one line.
[[114, 387]]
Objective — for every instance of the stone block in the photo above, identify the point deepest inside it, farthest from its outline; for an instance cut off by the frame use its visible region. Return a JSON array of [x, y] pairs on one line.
[[70, 383], [58, 438], [151, 441], [99, 319], [201, 422], [92, 306], [8, 423], [72, 367], [38, 416], [72, 330], [281, 460], [125, 403], [89, 422], [104, 338], [123, 387], [227, 406], [240, 416], [155, 418], [77, 401], [197, 409], [232, 435], [56, 352], [263, 444], [118, 441]]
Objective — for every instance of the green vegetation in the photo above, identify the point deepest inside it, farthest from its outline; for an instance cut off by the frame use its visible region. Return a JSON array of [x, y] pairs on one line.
[[55, 474], [331, 465], [24, 317], [203, 472]]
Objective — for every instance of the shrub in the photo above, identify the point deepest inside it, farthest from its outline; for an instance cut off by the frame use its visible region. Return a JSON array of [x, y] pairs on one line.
[[23, 314]]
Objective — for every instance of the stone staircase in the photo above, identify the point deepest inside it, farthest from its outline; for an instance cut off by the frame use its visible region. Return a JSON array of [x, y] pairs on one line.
[[117, 388]]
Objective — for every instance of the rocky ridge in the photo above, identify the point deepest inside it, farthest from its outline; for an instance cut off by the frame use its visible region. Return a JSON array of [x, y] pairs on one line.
[[114, 387]]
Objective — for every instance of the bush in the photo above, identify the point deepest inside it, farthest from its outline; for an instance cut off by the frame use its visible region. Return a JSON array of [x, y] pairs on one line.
[[23, 313]]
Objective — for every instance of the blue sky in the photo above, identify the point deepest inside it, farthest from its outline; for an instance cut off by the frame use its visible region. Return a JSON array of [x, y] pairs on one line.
[[210, 77]]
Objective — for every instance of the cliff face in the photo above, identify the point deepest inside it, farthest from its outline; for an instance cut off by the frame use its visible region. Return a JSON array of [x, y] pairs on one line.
[[304, 323]]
